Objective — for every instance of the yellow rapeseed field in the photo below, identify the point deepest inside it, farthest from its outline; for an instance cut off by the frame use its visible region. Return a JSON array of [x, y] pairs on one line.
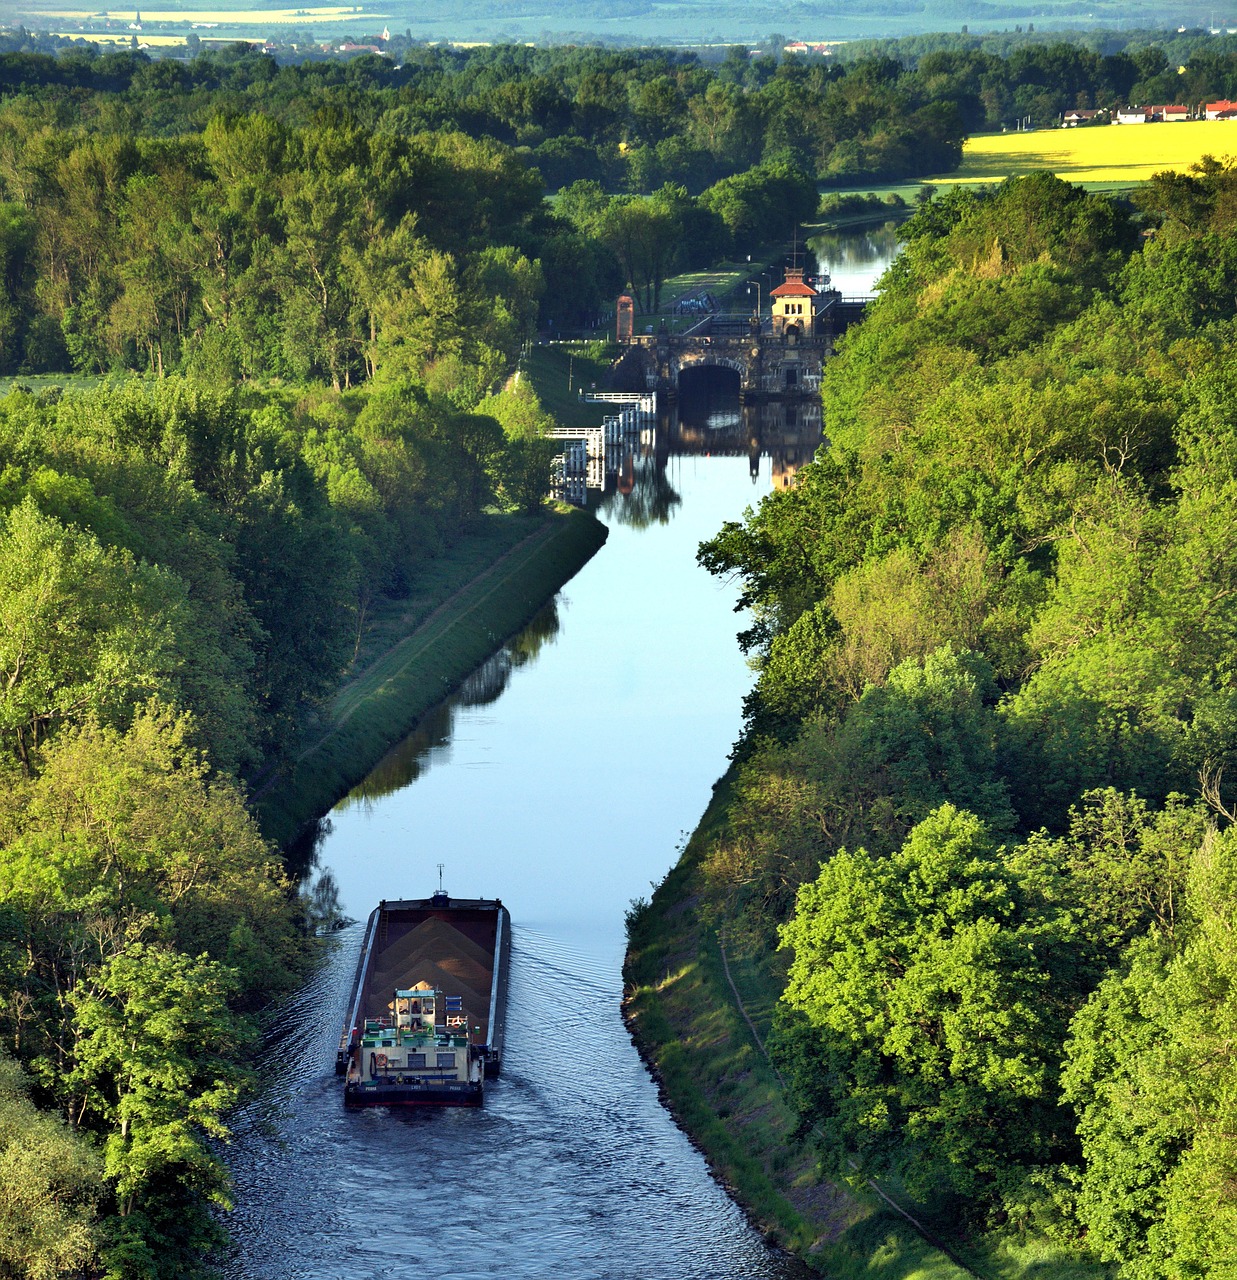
[[1104, 153]]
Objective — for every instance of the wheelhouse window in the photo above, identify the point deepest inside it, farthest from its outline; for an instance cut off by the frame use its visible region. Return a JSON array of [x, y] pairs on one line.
[[447, 1060]]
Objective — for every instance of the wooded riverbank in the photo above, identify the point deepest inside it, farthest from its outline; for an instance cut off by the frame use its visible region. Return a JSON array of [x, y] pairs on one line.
[[699, 1012], [979, 840], [699, 1001]]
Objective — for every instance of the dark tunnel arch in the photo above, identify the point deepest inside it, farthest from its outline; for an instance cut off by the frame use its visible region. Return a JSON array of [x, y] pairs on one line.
[[704, 389]]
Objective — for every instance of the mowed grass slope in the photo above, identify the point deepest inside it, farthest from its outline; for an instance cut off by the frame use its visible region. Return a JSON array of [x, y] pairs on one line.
[[1115, 154], [696, 1000], [419, 657], [714, 1075]]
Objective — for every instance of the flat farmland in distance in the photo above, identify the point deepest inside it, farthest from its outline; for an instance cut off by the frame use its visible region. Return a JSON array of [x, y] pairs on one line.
[[1112, 155], [96, 37], [158, 17]]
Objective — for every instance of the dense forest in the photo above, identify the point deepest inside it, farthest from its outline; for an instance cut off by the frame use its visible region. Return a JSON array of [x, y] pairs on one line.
[[322, 277], [187, 563], [232, 219], [988, 779], [998, 81], [184, 571]]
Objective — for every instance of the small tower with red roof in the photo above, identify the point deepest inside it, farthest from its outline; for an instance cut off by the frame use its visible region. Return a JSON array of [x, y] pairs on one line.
[[624, 318], [792, 304]]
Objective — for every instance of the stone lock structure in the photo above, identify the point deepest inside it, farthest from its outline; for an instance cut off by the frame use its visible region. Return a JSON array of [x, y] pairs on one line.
[[776, 357]]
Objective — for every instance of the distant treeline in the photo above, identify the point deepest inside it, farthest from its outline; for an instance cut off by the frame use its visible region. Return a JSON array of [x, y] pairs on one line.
[[635, 119], [230, 218], [990, 771], [998, 79], [630, 119]]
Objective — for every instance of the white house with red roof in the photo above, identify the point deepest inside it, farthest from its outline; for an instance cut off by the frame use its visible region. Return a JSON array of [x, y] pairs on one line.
[[792, 305]]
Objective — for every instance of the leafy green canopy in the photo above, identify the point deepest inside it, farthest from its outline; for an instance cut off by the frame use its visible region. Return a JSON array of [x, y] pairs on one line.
[[144, 920], [987, 777], [51, 1186]]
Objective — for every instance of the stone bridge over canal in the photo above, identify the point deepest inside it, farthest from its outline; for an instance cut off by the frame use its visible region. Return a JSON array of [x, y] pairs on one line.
[[776, 357]]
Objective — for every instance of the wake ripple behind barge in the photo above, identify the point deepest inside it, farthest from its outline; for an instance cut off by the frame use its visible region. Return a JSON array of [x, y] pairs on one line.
[[571, 1169]]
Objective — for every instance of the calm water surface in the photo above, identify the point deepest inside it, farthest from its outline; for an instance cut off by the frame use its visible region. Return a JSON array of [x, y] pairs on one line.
[[856, 260], [562, 779]]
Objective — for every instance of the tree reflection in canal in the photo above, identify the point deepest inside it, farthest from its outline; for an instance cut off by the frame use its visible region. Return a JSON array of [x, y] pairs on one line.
[[856, 260]]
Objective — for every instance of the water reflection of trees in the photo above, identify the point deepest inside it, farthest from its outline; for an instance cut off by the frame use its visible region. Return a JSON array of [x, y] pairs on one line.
[[649, 499], [430, 741], [301, 855], [842, 253], [409, 759], [540, 631]]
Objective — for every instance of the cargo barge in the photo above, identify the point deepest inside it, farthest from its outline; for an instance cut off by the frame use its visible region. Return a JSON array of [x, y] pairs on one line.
[[427, 1013]]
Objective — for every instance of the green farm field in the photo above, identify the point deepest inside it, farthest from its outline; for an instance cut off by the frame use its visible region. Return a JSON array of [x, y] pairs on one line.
[[1106, 155]]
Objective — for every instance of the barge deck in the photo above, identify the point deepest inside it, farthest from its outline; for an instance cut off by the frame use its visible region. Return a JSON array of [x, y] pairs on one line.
[[427, 1015]]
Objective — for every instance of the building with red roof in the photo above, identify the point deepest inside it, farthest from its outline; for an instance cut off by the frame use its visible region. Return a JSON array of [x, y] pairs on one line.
[[792, 306]]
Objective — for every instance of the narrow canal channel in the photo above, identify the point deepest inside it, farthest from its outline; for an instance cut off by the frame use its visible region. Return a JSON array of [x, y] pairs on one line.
[[562, 779]]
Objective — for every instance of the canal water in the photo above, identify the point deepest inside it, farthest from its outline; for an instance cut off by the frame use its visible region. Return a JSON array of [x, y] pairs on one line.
[[563, 779], [856, 260]]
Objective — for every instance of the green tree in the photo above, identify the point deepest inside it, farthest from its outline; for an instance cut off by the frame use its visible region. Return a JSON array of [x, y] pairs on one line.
[[83, 630], [51, 1189], [522, 468], [1153, 1083], [156, 1069], [923, 1015], [643, 233]]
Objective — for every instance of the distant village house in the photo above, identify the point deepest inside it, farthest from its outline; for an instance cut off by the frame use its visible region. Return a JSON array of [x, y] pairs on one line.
[[1072, 119], [1153, 115]]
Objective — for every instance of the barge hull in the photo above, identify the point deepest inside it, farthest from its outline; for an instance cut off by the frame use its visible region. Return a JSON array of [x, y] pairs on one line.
[[403, 1095], [457, 953]]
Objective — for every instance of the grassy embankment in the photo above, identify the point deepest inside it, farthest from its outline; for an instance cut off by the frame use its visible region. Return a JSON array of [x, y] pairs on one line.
[[558, 372], [727, 282], [419, 649], [688, 1004], [719, 1084], [854, 221], [720, 281]]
